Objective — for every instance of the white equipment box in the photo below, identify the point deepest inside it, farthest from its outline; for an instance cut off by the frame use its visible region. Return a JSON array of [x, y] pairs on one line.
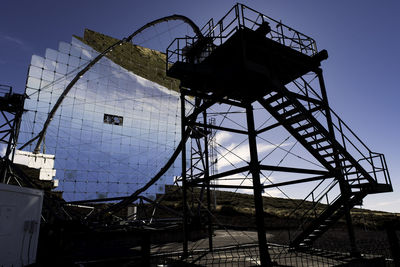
[[20, 211]]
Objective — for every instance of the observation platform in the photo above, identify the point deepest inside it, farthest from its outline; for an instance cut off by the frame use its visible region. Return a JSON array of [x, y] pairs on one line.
[[245, 67]]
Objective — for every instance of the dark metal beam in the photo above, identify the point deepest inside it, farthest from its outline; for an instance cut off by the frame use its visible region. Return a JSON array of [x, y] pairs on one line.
[[270, 127], [207, 176], [185, 211], [257, 189], [220, 128], [344, 186], [214, 97], [291, 169], [227, 186], [219, 175], [305, 180], [305, 98], [97, 200]]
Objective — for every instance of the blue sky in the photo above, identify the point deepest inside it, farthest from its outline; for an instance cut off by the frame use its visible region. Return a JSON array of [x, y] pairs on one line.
[[362, 39]]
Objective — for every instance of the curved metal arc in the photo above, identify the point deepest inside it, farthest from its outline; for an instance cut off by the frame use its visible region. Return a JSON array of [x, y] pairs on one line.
[[42, 133], [134, 196], [185, 19]]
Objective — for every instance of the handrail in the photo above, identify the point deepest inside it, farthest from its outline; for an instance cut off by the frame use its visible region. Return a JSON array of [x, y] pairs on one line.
[[280, 24], [331, 185], [340, 121], [347, 138], [315, 202], [5, 89], [241, 16]]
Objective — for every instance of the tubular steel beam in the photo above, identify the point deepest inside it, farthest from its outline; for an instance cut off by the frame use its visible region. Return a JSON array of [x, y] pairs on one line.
[[220, 128], [270, 127], [227, 186], [258, 201], [305, 180], [290, 169], [344, 187], [184, 181], [219, 175], [305, 98], [206, 176], [214, 97]]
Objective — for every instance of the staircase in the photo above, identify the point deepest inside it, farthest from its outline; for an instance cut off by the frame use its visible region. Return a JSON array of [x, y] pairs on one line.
[[361, 174]]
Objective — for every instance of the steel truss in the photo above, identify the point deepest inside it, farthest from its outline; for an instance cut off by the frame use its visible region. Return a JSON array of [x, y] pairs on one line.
[[243, 61], [11, 108]]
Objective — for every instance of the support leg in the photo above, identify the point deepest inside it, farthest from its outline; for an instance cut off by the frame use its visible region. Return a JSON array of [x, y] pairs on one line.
[[206, 175], [258, 201], [345, 190], [184, 185]]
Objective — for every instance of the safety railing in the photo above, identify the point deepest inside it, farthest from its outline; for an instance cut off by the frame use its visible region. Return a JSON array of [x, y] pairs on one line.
[[314, 204], [372, 162], [5, 90], [239, 17]]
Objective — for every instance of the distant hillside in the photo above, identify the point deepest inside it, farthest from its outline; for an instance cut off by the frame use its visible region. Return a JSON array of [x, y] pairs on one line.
[[237, 209]]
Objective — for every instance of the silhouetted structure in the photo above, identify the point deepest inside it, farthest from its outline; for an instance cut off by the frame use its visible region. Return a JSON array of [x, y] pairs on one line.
[[248, 57]]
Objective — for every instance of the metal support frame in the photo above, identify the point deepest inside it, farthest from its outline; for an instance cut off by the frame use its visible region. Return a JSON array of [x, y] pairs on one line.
[[257, 188], [195, 176], [344, 187], [200, 167], [206, 175], [11, 108], [295, 108], [204, 178], [184, 182]]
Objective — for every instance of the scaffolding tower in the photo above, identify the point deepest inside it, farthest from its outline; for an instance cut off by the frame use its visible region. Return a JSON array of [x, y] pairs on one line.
[[248, 58]]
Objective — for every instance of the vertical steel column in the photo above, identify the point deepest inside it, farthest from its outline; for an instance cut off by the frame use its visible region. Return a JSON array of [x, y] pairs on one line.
[[206, 175], [184, 185], [344, 187], [258, 201]]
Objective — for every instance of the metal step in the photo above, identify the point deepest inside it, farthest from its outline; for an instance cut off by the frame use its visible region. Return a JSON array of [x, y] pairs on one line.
[[328, 155], [273, 98], [282, 105], [360, 185], [304, 127], [290, 112], [318, 141], [296, 119], [357, 179], [351, 173], [340, 160], [310, 134], [324, 148], [348, 166]]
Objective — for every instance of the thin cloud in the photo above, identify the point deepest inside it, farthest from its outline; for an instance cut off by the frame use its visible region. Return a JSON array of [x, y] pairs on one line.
[[16, 41], [241, 153], [222, 137]]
